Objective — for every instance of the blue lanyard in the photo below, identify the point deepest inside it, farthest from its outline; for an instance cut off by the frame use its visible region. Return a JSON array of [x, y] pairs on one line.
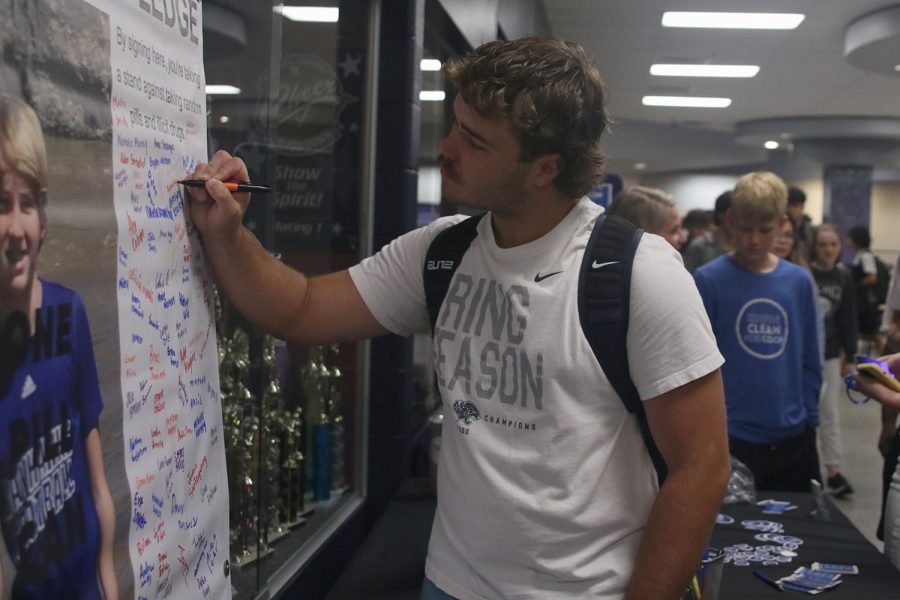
[[850, 380]]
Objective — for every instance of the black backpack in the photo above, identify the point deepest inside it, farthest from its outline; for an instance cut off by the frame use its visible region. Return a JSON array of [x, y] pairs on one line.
[[603, 300], [873, 297], [880, 289]]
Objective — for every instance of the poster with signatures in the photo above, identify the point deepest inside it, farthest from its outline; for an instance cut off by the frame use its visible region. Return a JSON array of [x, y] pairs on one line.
[[112, 463], [172, 430]]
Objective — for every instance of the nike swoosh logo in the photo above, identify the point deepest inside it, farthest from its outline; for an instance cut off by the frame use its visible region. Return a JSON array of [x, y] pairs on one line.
[[539, 278], [596, 265]]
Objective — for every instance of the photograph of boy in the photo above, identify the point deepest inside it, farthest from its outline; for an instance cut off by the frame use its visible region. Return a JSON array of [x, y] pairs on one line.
[[56, 512]]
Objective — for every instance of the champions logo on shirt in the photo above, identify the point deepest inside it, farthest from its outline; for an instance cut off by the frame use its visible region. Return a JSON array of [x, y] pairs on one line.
[[466, 414], [762, 328]]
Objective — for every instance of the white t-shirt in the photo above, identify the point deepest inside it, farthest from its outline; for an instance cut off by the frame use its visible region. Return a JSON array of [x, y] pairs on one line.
[[544, 481]]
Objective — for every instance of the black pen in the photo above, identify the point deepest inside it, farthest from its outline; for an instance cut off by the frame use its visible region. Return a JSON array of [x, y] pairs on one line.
[[233, 186], [767, 579]]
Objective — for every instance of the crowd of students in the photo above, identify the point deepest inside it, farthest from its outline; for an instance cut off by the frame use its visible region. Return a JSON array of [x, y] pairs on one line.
[[790, 318]]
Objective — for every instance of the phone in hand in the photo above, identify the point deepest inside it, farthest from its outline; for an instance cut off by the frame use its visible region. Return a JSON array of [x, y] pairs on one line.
[[877, 369]]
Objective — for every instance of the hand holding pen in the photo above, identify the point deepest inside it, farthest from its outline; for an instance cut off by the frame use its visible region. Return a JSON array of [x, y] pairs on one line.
[[215, 201]]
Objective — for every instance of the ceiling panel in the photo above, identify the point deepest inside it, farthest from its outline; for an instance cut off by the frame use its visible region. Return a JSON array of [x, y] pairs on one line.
[[803, 72]]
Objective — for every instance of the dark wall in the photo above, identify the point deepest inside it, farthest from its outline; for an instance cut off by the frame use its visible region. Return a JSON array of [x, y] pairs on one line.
[[396, 177]]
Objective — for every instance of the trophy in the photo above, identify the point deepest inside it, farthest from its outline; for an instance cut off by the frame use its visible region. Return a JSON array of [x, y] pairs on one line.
[[293, 476], [321, 427], [338, 431], [271, 461]]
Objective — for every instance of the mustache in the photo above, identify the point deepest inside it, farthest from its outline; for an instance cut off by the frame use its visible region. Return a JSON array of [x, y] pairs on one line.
[[447, 168]]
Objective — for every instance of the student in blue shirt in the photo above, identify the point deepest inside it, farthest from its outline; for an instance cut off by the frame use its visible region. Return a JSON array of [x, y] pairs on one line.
[[56, 512], [765, 317]]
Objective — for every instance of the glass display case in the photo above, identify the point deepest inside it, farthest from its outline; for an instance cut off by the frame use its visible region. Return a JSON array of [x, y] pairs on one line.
[[291, 100]]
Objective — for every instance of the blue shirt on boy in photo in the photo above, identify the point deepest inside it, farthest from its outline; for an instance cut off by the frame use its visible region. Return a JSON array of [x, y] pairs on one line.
[[47, 512]]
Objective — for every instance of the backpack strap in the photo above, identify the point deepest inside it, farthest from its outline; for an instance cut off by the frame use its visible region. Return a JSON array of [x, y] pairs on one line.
[[441, 261], [604, 297]]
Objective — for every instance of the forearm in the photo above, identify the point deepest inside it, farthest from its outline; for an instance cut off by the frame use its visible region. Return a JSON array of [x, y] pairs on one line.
[[106, 515], [105, 567], [677, 533], [889, 399], [262, 289]]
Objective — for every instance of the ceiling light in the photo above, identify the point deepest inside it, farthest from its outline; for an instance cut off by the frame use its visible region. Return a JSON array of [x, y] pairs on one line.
[[430, 64], [640, 166], [704, 70], [686, 101], [432, 95], [309, 14], [729, 20], [771, 145], [222, 90], [897, 67]]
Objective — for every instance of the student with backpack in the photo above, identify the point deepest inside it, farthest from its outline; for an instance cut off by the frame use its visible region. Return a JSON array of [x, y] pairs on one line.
[[546, 487], [765, 316], [871, 277]]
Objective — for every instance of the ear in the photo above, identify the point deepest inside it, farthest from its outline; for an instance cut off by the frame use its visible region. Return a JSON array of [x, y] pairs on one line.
[[545, 169]]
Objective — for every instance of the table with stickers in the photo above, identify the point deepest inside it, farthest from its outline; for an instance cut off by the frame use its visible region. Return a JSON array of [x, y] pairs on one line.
[[763, 545]]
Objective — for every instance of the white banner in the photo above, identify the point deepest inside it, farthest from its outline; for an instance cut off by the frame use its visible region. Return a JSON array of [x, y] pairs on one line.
[[172, 424]]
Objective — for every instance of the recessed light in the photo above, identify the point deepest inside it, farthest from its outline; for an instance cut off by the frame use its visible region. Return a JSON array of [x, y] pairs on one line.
[[224, 119], [897, 67], [667, 70], [432, 95], [640, 166], [222, 90], [771, 145], [309, 14], [732, 20], [686, 101], [430, 64]]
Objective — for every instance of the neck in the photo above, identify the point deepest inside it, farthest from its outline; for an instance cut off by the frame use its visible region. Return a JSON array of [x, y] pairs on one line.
[[26, 302], [536, 218], [821, 266], [765, 264]]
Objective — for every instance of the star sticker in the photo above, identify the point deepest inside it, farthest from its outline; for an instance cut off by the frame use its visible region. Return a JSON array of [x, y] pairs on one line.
[[336, 228], [353, 127], [349, 66]]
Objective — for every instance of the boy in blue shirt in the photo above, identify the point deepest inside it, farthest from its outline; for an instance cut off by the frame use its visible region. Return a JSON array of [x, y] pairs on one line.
[[765, 317], [56, 513]]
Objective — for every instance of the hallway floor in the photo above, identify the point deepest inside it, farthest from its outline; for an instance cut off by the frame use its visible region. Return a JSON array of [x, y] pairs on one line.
[[860, 425], [391, 561]]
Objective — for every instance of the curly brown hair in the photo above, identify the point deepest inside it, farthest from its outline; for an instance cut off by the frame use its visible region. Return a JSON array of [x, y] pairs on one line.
[[552, 95]]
